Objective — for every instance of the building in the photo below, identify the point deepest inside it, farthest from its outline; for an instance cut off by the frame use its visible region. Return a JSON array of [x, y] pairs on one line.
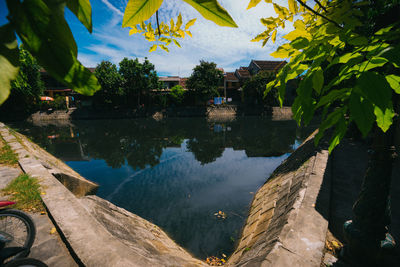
[[256, 66], [170, 81]]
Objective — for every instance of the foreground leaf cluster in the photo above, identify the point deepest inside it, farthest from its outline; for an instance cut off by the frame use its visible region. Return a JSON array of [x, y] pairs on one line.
[[348, 70], [137, 12], [44, 32]]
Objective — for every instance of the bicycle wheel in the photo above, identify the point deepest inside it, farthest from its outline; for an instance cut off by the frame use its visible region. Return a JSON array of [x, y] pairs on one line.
[[19, 229], [25, 262]]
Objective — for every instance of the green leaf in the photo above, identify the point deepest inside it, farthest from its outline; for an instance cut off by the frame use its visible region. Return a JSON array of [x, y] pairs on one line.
[[212, 10], [153, 48], [362, 112], [327, 123], [346, 58], [293, 6], [176, 42], [300, 43], [45, 33], [273, 36], [384, 118], [190, 23], [375, 88], [393, 55], [333, 96], [81, 79], [163, 47], [394, 82], [83, 11], [179, 21], [338, 135], [137, 11], [9, 60], [281, 11], [253, 3], [283, 51], [318, 79], [358, 40], [374, 62]]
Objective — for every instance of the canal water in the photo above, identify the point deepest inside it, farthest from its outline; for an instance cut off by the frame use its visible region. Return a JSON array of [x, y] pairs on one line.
[[177, 173]]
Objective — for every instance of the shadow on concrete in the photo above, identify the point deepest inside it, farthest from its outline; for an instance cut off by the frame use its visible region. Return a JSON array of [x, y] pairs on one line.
[[343, 179]]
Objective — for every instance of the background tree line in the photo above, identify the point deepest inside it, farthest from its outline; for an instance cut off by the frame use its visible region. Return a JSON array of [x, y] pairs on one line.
[[131, 84]]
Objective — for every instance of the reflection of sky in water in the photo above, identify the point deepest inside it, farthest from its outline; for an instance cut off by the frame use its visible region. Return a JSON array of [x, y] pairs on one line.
[[181, 195], [199, 168]]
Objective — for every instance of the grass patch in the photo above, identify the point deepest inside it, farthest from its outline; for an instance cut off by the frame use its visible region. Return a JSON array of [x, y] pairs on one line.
[[25, 190], [7, 156]]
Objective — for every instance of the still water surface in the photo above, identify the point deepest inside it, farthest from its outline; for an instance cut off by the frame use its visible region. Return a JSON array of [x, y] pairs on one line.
[[176, 173]]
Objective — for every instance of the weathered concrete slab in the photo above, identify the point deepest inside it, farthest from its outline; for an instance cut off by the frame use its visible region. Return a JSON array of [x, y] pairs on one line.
[[92, 231], [284, 228], [7, 174]]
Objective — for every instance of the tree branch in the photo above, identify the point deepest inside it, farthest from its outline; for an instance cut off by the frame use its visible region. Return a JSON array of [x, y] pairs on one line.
[[318, 14], [158, 25], [321, 6]]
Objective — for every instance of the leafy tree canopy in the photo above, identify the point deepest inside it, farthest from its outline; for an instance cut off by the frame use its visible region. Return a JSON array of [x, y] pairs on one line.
[[205, 79], [177, 94], [254, 88], [110, 81], [352, 68], [27, 88], [137, 77]]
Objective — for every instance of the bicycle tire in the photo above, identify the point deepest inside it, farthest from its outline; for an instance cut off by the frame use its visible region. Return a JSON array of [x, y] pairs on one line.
[[19, 219], [25, 262]]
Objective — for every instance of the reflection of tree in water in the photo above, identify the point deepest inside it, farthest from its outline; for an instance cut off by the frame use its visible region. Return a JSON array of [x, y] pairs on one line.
[[206, 150], [140, 142]]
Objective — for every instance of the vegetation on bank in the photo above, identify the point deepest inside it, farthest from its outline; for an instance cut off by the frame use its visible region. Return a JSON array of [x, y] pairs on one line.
[[25, 191], [7, 156]]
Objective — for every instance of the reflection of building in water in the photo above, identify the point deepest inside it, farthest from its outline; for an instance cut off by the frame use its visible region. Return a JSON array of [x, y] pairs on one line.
[[68, 148]]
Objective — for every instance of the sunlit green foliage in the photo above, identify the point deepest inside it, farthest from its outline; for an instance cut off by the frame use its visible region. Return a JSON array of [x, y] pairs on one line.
[[352, 68], [163, 34], [44, 32], [205, 80], [110, 81], [253, 89], [177, 94], [27, 88], [137, 79]]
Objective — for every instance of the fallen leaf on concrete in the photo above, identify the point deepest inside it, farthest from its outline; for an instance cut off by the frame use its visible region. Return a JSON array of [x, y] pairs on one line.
[[53, 230], [42, 213]]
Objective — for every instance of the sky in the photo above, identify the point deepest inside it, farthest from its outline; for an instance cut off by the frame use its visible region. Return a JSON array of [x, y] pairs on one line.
[[229, 48]]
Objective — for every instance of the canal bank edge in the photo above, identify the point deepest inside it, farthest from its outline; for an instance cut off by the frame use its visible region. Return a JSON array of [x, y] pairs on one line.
[[211, 112], [284, 226]]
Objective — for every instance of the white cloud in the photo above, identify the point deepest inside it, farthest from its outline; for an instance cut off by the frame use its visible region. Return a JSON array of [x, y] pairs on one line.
[[228, 47]]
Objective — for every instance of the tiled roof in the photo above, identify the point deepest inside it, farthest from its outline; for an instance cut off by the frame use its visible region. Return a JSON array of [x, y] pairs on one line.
[[169, 79], [243, 73], [269, 65], [230, 76], [243, 68]]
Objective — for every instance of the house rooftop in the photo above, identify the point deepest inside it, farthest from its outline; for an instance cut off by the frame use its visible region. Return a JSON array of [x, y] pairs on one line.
[[242, 73], [230, 77], [268, 65]]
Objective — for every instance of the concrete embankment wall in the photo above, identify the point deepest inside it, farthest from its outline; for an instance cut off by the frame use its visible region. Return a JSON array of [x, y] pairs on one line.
[[284, 228], [229, 111]]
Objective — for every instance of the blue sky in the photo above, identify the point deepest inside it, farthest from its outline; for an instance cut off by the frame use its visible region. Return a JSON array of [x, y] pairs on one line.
[[228, 47]]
